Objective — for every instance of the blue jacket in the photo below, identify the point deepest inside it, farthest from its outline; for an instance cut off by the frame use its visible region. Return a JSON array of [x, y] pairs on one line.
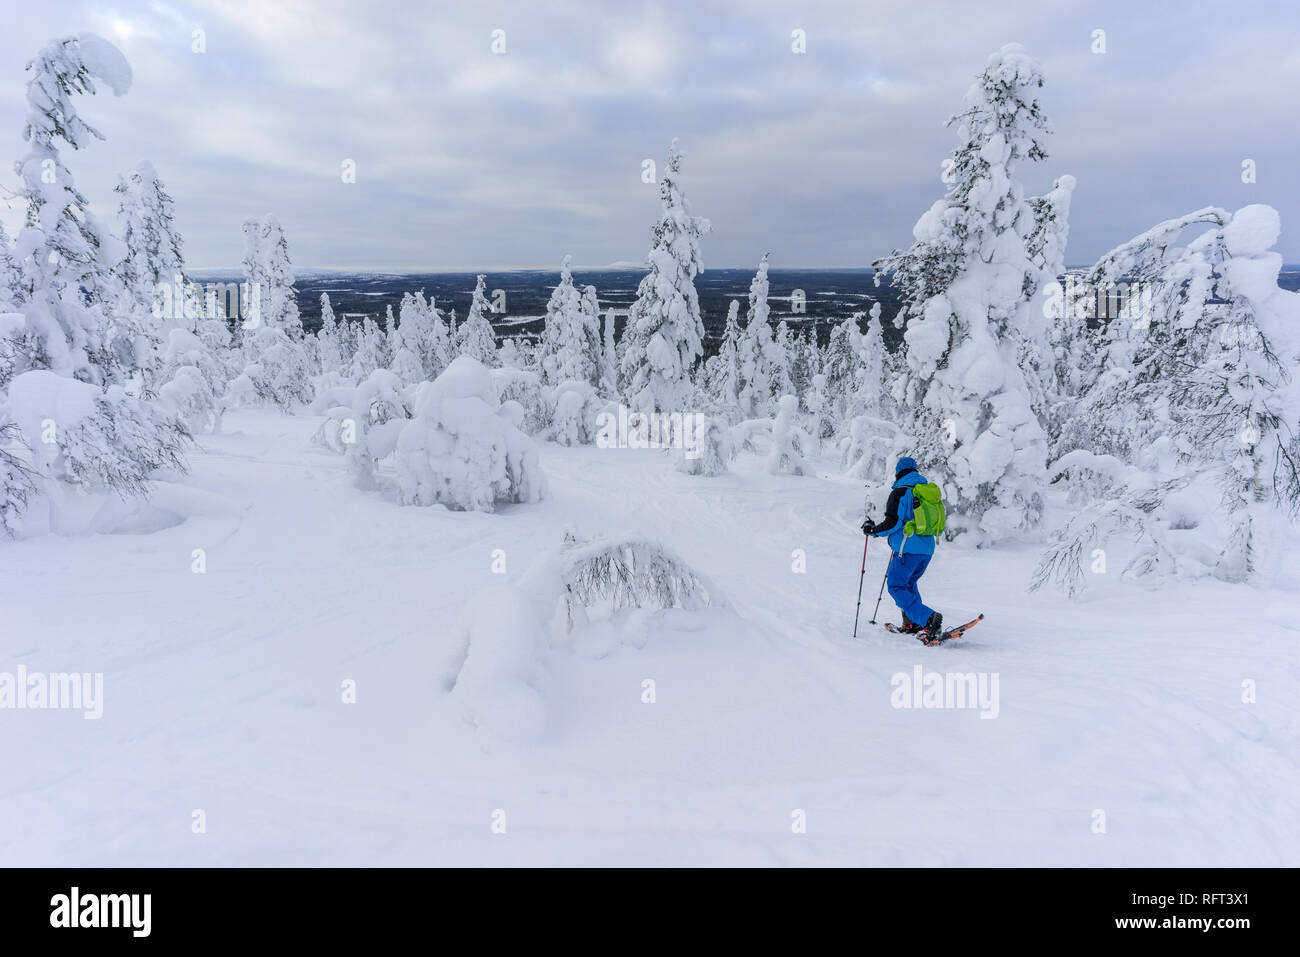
[[902, 509]]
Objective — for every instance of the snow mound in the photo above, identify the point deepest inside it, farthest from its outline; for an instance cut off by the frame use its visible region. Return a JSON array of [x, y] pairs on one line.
[[497, 671], [501, 680]]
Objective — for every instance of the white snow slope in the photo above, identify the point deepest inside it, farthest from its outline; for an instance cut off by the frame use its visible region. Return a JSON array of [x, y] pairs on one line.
[[222, 691]]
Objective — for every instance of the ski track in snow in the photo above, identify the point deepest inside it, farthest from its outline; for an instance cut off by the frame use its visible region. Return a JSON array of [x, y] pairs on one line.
[[222, 690]]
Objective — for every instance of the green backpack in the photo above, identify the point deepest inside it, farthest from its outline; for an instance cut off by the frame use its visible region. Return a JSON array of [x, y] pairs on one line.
[[929, 515]]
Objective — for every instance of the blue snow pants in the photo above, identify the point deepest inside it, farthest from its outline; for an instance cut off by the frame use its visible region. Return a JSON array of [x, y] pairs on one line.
[[904, 572]]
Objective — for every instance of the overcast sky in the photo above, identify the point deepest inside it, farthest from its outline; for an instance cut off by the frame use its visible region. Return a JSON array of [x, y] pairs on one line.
[[466, 158]]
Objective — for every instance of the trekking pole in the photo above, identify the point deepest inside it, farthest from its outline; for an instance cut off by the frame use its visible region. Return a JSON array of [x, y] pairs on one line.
[[866, 539], [882, 588]]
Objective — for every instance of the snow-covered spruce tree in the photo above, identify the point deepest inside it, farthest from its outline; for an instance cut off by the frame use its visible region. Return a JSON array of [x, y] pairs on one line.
[[276, 370], [1237, 405], [665, 334], [347, 333], [422, 331], [723, 373], [873, 388], [181, 343], [442, 341], [18, 481], [609, 357], [66, 265], [840, 366], [509, 354], [391, 340], [405, 363], [370, 354], [280, 298], [805, 361], [791, 445], [1199, 370], [760, 362], [868, 434], [65, 417], [783, 361], [154, 257], [711, 450], [1044, 348], [331, 361], [12, 294], [817, 403], [461, 449], [570, 348], [1124, 392], [146, 308], [966, 285], [476, 338]]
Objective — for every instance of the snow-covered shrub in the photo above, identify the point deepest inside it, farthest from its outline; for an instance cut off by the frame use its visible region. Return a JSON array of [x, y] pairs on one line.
[[752, 435], [577, 405], [380, 409], [1120, 498], [791, 445], [363, 422], [459, 452], [191, 396], [277, 372], [1062, 562], [94, 439], [605, 576], [525, 387], [869, 448], [17, 480], [821, 424], [709, 450], [194, 381]]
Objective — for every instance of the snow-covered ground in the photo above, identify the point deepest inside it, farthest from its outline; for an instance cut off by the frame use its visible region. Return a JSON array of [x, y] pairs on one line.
[[223, 690]]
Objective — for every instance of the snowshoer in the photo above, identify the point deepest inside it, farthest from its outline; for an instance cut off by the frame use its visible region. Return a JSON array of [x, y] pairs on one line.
[[912, 551]]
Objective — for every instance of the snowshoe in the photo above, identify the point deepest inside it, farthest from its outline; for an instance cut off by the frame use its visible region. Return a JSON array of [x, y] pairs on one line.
[[951, 633]]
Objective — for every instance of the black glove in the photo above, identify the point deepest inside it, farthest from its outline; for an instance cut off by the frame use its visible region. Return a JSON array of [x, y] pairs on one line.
[[868, 527]]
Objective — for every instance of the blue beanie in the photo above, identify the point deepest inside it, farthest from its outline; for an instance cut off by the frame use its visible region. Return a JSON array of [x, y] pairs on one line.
[[905, 464]]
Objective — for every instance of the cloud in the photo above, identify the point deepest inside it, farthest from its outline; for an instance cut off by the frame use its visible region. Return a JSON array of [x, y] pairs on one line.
[[467, 157]]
